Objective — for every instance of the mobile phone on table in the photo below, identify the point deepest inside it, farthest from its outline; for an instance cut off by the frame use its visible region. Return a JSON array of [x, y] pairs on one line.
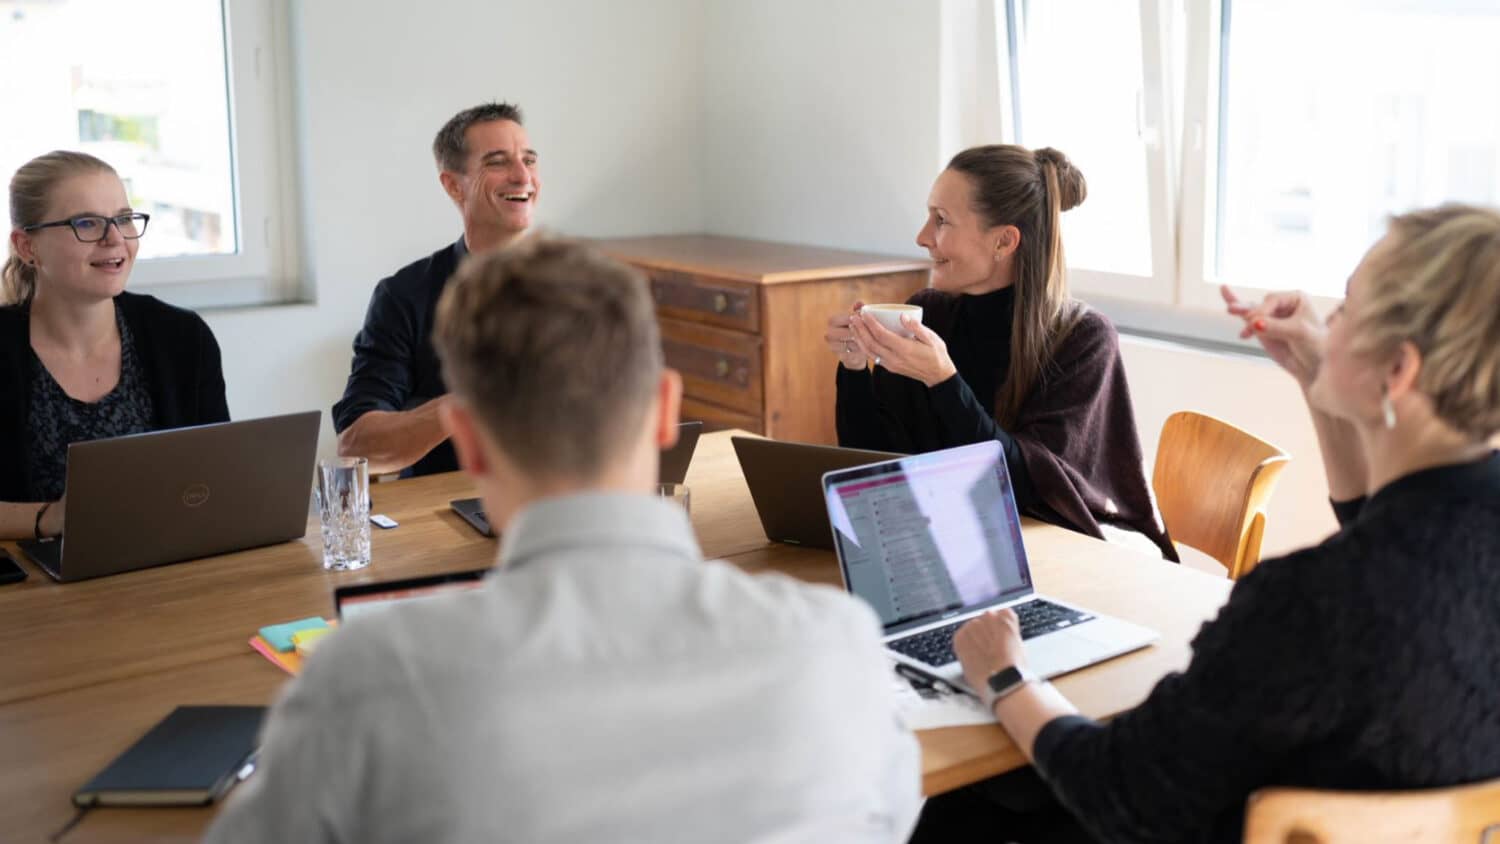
[[10, 571]]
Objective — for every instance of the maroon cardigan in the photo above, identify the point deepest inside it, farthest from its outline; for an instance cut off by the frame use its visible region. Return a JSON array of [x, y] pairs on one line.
[[1080, 457]]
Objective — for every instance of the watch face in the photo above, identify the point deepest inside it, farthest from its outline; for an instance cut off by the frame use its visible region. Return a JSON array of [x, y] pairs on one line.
[[1004, 679]]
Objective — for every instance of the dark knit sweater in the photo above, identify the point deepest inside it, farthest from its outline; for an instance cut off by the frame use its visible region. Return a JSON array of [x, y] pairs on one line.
[[1073, 453], [1371, 661], [177, 352]]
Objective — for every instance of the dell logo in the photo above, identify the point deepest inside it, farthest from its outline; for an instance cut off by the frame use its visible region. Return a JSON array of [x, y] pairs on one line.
[[195, 495]]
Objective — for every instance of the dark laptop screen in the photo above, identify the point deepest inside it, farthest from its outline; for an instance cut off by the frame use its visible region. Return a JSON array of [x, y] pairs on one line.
[[929, 536]]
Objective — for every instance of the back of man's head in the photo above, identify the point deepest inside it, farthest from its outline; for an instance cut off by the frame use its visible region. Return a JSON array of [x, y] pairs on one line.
[[556, 351]]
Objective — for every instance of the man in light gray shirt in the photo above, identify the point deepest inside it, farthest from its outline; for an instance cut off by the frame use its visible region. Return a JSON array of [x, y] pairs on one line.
[[606, 684]]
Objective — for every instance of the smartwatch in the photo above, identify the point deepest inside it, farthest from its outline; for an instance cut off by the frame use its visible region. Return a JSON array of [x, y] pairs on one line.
[[1003, 682]]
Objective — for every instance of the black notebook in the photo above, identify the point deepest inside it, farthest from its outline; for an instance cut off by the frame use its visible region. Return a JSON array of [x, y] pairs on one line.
[[190, 758]]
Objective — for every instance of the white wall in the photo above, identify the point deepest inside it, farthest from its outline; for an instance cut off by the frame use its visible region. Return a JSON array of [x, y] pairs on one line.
[[777, 119], [820, 120], [612, 102]]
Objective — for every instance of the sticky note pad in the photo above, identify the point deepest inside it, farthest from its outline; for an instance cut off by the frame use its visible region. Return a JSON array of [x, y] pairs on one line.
[[305, 641], [279, 636]]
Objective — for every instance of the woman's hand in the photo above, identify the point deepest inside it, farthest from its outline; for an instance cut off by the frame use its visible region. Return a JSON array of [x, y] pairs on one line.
[[924, 356], [1287, 328], [988, 643], [842, 342]]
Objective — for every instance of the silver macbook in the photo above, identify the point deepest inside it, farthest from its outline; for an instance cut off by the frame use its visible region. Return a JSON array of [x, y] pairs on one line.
[[168, 496], [932, 540]]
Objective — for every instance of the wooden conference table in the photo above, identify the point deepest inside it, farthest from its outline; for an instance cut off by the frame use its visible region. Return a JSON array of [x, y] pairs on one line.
[[88, 667]]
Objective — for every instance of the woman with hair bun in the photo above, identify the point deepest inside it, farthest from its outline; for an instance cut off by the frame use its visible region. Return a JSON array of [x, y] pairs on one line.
[[1003, 352]]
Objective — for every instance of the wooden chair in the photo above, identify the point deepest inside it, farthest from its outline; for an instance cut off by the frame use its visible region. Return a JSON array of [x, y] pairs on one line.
[[1213, 482], [1466, 813]]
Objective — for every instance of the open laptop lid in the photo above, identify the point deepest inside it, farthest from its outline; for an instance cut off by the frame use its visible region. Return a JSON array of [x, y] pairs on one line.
[[360, 598], [930, 536], [675, 460]]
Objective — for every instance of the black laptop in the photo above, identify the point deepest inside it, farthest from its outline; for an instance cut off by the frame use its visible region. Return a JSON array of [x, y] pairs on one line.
[[674, 468], [786, 483]]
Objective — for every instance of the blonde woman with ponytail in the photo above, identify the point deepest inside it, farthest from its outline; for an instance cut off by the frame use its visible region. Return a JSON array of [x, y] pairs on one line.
[[1004, 353], [81, 359]]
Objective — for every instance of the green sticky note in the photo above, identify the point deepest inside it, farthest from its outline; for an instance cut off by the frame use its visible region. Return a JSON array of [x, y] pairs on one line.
[[279, 636]]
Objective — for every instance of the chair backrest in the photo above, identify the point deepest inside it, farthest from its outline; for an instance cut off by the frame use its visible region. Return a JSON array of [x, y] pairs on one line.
[[1465, 813], [1213, 482]]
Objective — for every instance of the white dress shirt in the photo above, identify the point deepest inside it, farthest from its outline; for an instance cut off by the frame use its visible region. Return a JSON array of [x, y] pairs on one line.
[[605, 684]]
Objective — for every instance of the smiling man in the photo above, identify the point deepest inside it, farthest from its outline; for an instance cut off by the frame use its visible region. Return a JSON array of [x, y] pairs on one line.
[[389, 412]]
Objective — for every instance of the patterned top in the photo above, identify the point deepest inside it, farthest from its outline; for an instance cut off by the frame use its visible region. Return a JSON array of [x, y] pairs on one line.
[[56, 419]]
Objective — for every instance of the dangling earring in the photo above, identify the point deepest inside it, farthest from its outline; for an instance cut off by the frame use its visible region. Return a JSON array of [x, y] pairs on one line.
[[1388, 411]]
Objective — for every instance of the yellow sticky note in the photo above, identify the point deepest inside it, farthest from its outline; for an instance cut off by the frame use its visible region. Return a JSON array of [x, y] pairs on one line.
[[305, 641]]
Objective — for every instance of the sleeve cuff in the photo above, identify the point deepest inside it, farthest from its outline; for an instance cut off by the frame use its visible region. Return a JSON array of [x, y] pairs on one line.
[[1053, 734]]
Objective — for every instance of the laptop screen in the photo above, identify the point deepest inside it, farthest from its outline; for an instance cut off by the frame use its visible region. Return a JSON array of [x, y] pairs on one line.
[[353, 601], [929, 536]]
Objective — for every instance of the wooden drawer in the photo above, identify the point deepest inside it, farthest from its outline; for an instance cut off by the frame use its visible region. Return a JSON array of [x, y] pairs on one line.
[[717, 366], [715, 418], [696, 298]]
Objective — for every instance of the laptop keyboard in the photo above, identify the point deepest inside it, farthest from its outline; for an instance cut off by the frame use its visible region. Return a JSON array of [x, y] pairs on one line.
[[935, 647]]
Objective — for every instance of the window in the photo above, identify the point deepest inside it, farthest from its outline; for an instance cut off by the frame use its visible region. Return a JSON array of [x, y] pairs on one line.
[[1316, 148], [1260, 143], [1093, 92], [180, 99]]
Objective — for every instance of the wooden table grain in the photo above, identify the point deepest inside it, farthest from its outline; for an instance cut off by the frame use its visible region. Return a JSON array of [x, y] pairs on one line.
[[88, 667]]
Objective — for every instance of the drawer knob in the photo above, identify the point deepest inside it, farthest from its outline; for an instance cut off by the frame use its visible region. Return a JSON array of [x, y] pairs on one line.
[[721, 368], [721, 303]]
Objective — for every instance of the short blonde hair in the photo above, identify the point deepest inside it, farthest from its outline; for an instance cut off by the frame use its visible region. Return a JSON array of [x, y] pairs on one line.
[[1439, 287], [556, 349]]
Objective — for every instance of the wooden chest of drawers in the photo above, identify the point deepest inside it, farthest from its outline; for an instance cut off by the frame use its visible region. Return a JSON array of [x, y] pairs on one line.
[[743, 321]]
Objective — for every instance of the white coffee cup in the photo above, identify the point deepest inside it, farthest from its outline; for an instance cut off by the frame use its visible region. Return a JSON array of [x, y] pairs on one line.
[[890, 316]]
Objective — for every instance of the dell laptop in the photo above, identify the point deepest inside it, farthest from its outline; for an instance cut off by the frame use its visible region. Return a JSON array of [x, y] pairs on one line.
[[933, 540], [674, 468], [168, 496], [785, 481]]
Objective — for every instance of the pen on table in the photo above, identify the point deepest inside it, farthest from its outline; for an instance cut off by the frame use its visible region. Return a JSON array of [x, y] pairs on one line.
[[924, 677]]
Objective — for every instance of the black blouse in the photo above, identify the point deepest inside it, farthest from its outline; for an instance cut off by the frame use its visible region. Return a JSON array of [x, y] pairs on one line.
[[1370, 661], [56, 419]]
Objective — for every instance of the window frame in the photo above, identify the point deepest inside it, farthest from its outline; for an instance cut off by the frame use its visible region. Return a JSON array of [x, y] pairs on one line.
[[267, 267]]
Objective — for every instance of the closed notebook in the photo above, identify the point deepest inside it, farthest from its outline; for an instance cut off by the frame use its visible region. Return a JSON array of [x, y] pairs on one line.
[[190, 758]]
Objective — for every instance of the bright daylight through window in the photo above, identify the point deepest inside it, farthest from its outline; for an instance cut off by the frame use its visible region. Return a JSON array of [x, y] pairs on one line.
[[142, 86], [1336, 115]]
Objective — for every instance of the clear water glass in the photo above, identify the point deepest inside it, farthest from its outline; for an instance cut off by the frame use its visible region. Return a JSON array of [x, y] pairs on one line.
[[344, 507]]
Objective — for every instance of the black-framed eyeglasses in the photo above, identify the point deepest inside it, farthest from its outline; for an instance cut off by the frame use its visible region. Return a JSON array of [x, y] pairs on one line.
[[92, 228]]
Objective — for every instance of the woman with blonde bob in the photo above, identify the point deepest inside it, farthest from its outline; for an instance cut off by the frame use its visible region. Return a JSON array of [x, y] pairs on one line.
[[1368, 661], [1002, 352], [81, 359]]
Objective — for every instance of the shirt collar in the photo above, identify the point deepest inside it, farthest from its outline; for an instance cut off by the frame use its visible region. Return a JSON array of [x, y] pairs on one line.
[[461, 247], [608, 521]]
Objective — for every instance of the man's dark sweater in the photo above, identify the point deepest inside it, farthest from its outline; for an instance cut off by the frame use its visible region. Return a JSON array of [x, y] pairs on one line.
[[1371, 661], [395, 366]]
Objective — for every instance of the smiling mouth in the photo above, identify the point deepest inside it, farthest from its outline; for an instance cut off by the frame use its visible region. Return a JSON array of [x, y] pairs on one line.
[[522, 196], [111, 264]]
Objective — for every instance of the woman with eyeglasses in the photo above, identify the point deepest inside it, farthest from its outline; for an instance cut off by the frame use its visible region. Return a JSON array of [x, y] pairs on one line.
[[81, 359]]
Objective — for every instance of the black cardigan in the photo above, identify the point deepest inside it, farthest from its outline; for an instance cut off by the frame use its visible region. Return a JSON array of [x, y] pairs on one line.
[[176, 349], [1371, 661]]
